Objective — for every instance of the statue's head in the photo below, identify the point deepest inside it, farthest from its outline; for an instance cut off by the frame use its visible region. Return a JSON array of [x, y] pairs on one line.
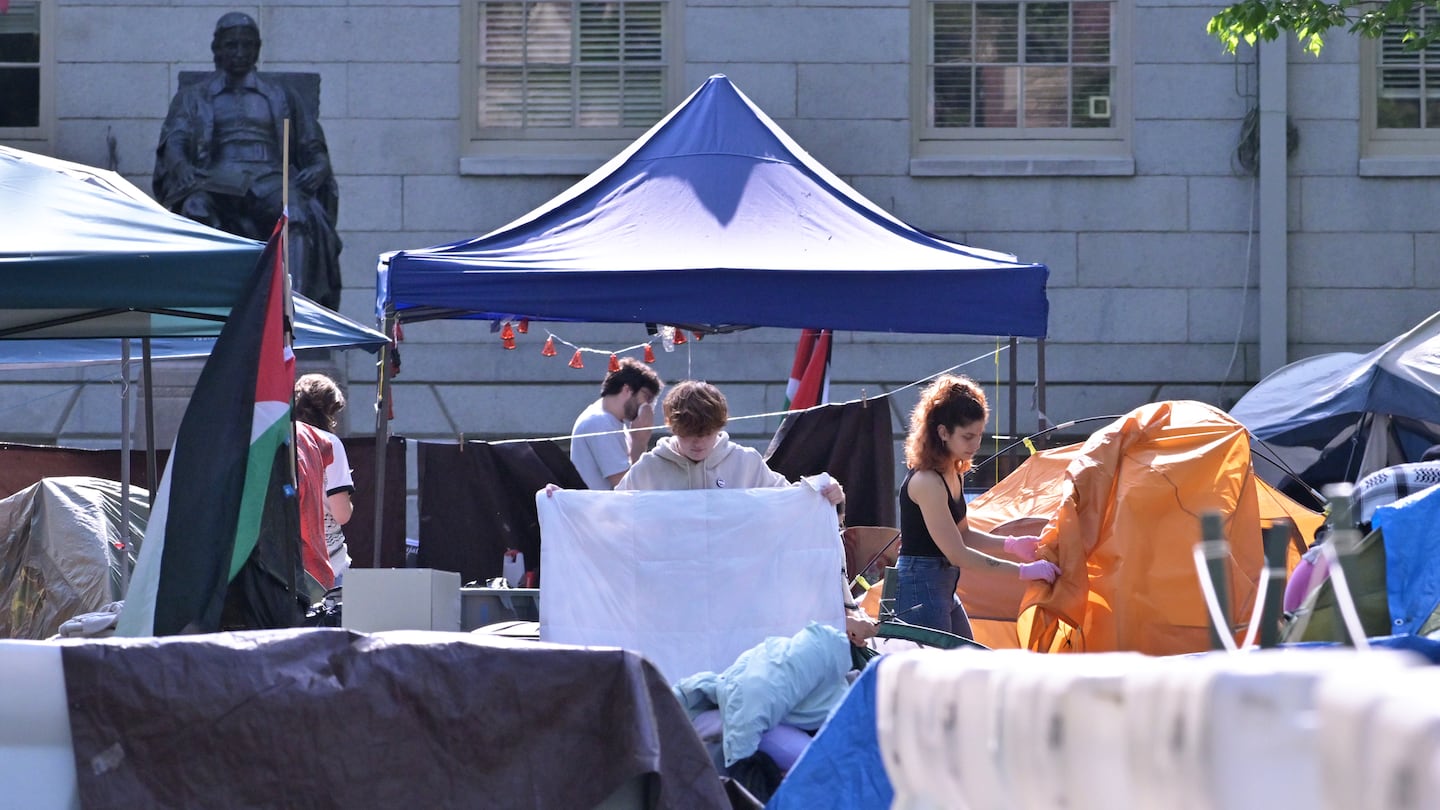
[[236, 19], [236, 44]]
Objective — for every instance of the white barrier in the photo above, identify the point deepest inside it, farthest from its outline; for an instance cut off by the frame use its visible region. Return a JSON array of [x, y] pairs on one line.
[[1313, 729], [37, 763]]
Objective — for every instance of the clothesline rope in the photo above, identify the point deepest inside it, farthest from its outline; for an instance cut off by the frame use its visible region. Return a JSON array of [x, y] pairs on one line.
[[662, 427]]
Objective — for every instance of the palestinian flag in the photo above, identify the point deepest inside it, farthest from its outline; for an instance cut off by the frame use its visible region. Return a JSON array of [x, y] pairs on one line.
[[809, 383], [223, 535]]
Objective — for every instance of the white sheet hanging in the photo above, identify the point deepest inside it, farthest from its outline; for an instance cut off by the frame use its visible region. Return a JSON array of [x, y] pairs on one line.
[[689, 579]]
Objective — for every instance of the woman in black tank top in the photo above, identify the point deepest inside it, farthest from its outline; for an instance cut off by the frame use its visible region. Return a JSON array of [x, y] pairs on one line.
[[936, 541]]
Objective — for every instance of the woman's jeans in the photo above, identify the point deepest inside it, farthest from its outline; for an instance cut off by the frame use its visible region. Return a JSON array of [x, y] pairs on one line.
[[925, 594]]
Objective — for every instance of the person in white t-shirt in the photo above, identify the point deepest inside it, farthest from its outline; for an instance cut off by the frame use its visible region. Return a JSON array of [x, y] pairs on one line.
[[318, 401], [600, 449]]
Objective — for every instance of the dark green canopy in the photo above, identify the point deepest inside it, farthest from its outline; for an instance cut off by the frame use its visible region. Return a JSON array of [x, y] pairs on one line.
[[86, 254]]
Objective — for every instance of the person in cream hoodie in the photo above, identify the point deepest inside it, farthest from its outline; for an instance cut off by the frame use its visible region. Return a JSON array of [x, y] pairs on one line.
[[700, 455]]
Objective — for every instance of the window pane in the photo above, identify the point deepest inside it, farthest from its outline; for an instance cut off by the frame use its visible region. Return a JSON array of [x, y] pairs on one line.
[[1091, 34], [19, 97], [548, 95], [952, 96], [1091, 97], [644, 96], [1408, 79], [997, 96], [20, 36], [564, 63], [952, 26], [1049, 58], [1047, 97], [1047, 33], [547, 33], [502, 98], [997, 33]]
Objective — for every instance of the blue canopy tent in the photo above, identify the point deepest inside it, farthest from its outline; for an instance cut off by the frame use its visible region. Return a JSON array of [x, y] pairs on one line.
[[1341, 416], [716, 219], [713, 220]]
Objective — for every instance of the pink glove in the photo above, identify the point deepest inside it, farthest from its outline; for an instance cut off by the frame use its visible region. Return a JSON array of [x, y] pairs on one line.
[[1039, 570], [1022, 547]]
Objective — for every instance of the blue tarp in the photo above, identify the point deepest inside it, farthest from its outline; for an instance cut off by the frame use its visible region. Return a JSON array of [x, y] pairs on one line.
[[1412, 570], [841, 768], [716, 218]]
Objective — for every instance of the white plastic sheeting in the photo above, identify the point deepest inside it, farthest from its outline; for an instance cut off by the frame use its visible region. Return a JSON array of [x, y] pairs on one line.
[[689, 579], [1320, 728]]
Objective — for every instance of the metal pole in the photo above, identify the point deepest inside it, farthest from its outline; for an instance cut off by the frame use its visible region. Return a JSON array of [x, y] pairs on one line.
[[152, 475], [382, 433], [1217, 553], [1276, 538], [126, 539]]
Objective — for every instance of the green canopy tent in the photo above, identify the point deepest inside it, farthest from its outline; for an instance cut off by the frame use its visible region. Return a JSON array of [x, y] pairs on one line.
[[89, 262]]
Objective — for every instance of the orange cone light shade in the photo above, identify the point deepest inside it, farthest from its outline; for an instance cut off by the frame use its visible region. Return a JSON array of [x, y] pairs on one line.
[[507, 333], [698, 335], [576, 362], [549, 350], [614, 362], [679, 337], [524, 326], [508, 342], [649, 354]]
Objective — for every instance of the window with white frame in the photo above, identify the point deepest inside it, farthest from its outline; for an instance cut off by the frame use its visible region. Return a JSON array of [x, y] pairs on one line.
[[560, 79], [23, 75], [1400, 103], [1022, 79]]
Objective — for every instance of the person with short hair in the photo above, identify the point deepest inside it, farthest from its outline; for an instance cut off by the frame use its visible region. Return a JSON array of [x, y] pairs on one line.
[[318, 401], [613, 432], [699, 454], [935, 539]]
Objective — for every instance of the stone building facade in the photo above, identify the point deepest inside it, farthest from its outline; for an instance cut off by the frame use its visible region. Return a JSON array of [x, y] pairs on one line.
[[1128, 172]]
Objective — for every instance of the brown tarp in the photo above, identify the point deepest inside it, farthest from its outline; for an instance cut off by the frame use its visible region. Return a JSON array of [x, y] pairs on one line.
[[333, 718], [22, 465], [478, 499]]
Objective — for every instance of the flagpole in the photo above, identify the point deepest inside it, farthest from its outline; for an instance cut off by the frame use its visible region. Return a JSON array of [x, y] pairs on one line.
[[285, 273]]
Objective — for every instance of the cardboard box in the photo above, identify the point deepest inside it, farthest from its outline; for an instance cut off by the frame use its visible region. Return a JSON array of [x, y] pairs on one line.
[[376, 599]]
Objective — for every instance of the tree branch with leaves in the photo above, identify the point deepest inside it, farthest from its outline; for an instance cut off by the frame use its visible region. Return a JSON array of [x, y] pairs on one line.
[[1311, 21]]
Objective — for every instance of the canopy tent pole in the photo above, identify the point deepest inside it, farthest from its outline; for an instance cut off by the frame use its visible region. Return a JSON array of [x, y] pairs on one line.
[[125, 442], [1014, 426], [151, 473], [1044, 421], [382, 432]]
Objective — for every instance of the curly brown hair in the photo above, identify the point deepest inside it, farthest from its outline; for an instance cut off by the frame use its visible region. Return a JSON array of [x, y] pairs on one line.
[[695, 408], [951, 400], [318, 400]]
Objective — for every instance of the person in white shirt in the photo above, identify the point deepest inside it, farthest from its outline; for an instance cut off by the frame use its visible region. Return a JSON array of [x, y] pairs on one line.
[[600, 449]]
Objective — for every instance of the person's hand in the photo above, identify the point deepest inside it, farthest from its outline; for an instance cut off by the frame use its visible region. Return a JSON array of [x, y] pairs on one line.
[[1022, 547], [860, 627], [645, 417], [833, 493], [1040, 570], [551, 489]]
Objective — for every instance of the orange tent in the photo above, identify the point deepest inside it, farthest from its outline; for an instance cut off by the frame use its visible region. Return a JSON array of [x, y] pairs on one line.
[[1120, 514]]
